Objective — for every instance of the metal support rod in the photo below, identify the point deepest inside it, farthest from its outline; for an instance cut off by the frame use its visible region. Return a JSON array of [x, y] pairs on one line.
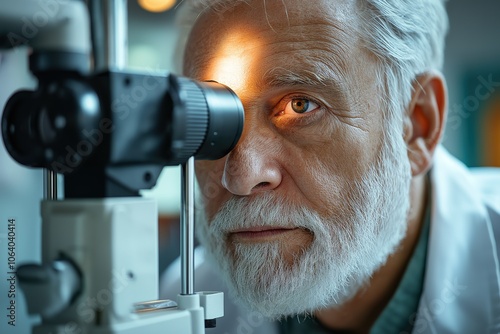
[[187, 227], [109, 34], [49, 185], [118, 33]]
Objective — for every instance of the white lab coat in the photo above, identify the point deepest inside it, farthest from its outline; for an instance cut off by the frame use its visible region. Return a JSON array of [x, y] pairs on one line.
[[461, 292]]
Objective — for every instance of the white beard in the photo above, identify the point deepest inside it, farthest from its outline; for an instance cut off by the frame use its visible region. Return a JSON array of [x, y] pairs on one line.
[[346, 250]]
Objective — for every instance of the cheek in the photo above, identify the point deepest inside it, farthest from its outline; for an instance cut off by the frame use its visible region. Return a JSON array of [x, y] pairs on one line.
[[326, 163]]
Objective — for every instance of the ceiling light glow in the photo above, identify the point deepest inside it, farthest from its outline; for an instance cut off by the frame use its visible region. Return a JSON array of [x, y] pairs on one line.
[[156, 6]]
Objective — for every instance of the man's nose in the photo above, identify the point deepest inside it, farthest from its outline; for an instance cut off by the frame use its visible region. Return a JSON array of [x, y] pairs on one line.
[[251, 167]]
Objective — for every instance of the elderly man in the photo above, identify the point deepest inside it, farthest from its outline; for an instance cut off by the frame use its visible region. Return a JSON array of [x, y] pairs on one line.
[[338, 211]]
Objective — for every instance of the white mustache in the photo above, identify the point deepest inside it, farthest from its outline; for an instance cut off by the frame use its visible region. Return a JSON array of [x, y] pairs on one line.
[[266, 210]]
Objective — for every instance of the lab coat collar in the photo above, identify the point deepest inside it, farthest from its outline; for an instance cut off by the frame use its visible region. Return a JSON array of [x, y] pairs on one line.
[[461, 292]]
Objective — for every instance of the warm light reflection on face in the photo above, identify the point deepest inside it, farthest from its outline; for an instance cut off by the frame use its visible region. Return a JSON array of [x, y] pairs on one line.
[[233, 63]]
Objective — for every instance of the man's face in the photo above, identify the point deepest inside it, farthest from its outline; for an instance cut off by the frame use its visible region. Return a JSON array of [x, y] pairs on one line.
[[314, 197]]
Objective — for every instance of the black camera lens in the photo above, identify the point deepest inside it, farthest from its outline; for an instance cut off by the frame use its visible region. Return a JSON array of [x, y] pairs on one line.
[[207, 119]]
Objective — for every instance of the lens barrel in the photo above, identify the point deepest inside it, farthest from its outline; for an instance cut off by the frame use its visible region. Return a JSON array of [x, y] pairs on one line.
[[207, 119]]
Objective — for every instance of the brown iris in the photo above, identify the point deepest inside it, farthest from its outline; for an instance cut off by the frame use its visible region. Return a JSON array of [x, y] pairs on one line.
[[300, 105]]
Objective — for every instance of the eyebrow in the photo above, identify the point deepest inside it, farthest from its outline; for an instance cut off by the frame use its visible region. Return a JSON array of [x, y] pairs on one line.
[[280, 77]]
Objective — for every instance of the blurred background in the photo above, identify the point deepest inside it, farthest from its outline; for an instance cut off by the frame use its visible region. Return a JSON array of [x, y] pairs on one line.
[[472, 69]]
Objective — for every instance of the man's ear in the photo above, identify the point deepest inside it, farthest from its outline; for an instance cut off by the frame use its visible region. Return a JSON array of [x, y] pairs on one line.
[[425, 120]]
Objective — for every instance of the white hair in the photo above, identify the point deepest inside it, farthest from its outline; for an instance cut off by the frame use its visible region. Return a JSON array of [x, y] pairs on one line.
[[408, 38]]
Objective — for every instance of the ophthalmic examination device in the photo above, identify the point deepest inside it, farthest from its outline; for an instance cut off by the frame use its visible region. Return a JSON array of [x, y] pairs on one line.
[[99, 242]]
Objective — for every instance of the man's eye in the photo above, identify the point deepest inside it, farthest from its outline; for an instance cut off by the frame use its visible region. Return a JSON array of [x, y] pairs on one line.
[[300, 106]]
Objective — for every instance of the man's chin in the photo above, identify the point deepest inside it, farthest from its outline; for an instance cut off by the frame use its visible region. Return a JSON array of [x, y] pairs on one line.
[[277, 309], [261, 280]]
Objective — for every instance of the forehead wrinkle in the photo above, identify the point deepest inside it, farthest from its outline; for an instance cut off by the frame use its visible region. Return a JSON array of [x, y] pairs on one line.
[[323, 12], [316, 67], [327, 44], [328, 35], [283, 77], [330, 30], [322, 54]]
